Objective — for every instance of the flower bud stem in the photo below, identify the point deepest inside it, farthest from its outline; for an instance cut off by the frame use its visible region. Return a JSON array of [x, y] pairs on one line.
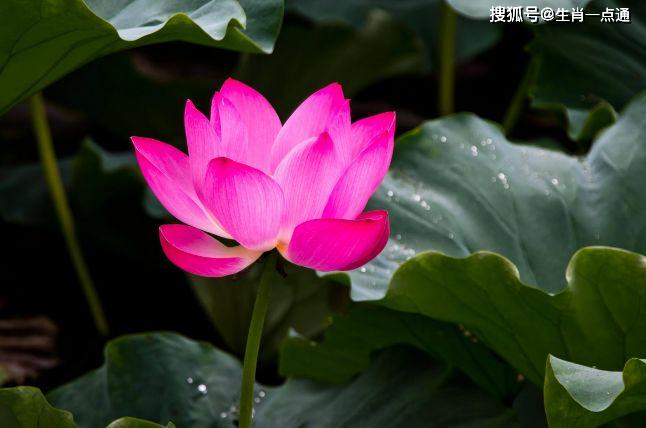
[[446, 80], [518, 102], [57, 190], [253, 340]]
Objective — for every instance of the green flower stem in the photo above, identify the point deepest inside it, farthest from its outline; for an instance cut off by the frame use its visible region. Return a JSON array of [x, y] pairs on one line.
[[517, 104], [446, 80], [57, 190], [253, 341]]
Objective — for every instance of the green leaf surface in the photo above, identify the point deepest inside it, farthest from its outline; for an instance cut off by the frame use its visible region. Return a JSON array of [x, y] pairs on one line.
[[308, 58], [41, 41], [353, 337], [597, 320], [193, 384], [584, 126], [577, 396], [583, 64], [481, 9], [26, 407], [422, 16], [301, 301], [457, 186]]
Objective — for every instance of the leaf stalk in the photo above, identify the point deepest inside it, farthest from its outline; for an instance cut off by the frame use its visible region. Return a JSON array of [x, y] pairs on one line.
[[57, 191], [446, 80], [517, 104]]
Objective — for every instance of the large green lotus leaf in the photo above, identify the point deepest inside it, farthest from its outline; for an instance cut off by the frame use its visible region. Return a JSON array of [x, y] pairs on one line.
[[301, 301], [577, 396], [26, 407], [598, 320], [307, 58], [353, 337], [162, 377], [42, 41], [582, 64], [456, 185], [480, 9], [422, 16]]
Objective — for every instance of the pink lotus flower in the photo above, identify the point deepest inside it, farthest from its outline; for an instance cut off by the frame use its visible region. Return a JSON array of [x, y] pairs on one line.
[[300, 187]]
